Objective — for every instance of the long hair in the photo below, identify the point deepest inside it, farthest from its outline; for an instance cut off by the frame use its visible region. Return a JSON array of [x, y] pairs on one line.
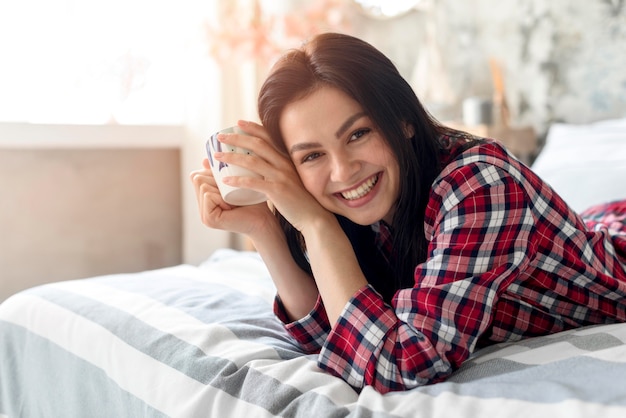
[[371, 79]]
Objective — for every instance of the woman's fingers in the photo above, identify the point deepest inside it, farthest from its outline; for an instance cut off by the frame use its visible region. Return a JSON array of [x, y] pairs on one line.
[[255, 139], [276, 177], [279, 179], [253, 129], [264, 159], [215, 213], [208, 196]]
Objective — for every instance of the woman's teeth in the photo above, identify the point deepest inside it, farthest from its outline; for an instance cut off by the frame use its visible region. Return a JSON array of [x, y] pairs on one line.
[[362, 190]]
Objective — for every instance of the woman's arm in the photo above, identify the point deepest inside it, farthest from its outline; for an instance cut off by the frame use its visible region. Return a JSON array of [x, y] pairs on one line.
[[296, 289], [334, 264]]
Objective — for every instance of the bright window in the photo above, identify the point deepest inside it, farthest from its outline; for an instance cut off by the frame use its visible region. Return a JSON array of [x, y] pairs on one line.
[[96, 61]]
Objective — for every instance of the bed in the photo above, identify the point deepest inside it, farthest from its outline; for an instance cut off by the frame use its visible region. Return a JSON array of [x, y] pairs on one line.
[[202, 341]]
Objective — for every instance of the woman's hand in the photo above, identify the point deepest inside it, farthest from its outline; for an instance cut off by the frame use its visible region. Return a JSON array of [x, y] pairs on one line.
[[280, 181], [217, 214]]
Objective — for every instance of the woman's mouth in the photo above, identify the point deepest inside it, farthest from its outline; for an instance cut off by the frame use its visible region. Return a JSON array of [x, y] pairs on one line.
[[363, 189]]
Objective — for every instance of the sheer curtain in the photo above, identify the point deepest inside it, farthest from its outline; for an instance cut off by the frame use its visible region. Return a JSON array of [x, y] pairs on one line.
[[96, 62], [220, 90], [195, 63]]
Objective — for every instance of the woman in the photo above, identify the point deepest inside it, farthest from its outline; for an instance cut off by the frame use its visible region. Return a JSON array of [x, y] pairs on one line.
[[399, 246]]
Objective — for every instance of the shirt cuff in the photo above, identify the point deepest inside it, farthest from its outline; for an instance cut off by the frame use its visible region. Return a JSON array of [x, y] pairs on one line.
[[354, 346], [310, 331]]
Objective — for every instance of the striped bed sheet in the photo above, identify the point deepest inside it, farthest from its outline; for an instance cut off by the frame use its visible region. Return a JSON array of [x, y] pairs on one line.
[[202, 341]]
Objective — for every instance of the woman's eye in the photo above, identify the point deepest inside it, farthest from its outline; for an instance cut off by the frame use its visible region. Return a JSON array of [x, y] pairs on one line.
[[310, 157], [358, 134]]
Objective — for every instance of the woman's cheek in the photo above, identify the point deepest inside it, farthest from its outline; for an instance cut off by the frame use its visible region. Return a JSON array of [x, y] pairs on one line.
[[312, 183]]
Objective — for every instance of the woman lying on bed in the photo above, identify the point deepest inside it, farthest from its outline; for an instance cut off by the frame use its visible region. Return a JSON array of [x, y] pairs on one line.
[[399, 246]]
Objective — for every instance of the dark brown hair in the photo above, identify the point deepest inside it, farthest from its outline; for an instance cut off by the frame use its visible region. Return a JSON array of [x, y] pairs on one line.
[[371, 79]]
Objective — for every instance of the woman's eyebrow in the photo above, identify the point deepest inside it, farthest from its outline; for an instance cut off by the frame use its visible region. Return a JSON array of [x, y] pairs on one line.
[[344, 127], [304, 146]]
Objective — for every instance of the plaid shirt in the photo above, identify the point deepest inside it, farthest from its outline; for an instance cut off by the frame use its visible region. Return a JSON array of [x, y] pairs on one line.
[[507, 259]]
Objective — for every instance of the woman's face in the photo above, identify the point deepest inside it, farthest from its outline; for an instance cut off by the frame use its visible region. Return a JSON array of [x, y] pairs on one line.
[[341, 157]]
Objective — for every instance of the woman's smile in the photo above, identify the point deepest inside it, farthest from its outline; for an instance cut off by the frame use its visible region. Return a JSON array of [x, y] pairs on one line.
[[361, 190]]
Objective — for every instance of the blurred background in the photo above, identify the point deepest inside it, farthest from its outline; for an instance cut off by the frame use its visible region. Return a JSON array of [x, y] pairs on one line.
[[105, 106]]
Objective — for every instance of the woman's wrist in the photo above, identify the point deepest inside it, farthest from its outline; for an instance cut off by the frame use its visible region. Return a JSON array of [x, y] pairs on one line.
[[337, 272], [320, 227], [296, 288], [267, 230]]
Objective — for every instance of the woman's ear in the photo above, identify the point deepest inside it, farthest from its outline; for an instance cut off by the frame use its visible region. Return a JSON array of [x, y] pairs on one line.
[[409, 131]]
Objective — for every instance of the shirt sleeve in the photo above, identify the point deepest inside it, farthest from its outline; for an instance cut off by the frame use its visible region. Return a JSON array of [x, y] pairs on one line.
[[479, 227], [311, 331]]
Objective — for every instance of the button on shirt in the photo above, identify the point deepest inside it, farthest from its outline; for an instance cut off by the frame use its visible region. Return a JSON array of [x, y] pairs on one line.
[[507, 259]]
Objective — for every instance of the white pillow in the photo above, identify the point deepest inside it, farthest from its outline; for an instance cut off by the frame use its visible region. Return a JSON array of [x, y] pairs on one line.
[[585, 164]]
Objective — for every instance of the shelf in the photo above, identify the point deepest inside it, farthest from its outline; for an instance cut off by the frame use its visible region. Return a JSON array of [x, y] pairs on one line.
[[521, 141]]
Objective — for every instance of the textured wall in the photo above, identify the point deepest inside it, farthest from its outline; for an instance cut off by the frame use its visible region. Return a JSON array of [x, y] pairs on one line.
[[563, 60]]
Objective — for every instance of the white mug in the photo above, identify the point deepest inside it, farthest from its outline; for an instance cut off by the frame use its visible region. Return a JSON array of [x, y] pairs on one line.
[[232, 195]]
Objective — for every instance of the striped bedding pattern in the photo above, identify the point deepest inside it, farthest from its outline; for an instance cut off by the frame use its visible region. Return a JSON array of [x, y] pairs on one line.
[[201, 341]]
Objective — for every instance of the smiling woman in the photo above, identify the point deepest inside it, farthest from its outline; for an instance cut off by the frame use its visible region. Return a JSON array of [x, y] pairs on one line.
[[400, 246]]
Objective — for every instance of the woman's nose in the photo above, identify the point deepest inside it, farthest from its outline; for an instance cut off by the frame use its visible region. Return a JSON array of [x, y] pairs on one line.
[[343, 168]]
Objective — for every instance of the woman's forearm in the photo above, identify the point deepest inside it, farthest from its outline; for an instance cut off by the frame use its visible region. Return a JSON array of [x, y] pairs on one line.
[[334, 265], [337, 273], [296, 288]]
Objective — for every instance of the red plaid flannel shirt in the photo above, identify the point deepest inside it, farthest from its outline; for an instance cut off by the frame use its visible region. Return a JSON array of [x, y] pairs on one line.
[[507, 259]]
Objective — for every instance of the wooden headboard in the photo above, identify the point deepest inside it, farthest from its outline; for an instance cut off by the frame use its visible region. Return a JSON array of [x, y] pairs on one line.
[[68, 213]]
